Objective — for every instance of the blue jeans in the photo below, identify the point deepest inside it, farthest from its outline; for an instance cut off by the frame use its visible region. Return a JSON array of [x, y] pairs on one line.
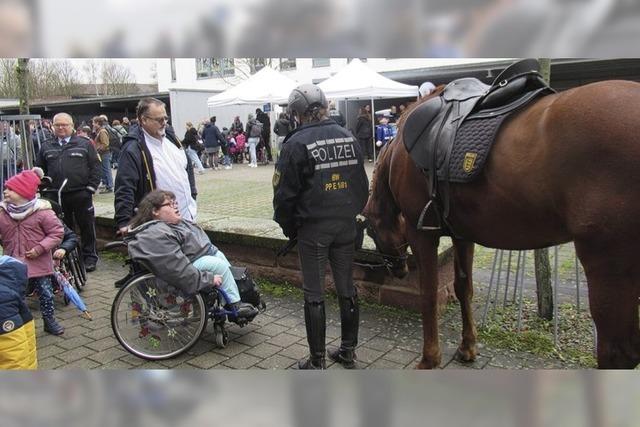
[[252, 149], [218, 264], [107, 178], [195, 160]]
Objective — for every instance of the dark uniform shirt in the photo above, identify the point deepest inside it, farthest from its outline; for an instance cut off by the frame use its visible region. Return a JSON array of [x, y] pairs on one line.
[[320, 175]]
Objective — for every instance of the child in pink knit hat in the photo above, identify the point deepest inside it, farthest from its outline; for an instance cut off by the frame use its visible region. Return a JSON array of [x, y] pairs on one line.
[[40, 232]]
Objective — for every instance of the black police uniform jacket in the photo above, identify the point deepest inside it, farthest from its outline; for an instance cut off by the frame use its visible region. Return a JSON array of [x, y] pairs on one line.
[[77, 161], [320, 175]]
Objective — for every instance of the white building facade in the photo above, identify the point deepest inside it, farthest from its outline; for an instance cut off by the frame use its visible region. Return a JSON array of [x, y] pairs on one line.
[[190, 81]]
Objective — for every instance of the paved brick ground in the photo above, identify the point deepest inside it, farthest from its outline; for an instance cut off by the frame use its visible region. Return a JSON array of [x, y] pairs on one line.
[[275, 340]]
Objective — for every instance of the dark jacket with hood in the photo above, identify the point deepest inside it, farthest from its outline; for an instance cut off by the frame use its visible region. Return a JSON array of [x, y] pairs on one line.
[[191, 139], [212, 136], [282, 127], [136, 176], [363, 127], [169, 250]]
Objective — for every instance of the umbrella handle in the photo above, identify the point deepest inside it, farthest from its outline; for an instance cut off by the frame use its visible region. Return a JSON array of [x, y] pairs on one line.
[[87, 315]]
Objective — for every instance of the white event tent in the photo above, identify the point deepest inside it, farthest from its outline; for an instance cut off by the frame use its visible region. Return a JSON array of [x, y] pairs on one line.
[[358, 81], [264, 87], [267, 86]]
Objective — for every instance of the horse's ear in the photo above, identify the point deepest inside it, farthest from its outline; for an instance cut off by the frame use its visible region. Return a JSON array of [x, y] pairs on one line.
[[418, 121]]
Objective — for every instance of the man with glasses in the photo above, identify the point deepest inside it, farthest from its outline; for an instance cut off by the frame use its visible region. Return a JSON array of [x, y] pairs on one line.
[[67, 156], [152, 158]]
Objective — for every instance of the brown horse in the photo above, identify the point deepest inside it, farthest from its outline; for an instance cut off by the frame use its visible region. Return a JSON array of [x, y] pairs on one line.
[[565, 168]]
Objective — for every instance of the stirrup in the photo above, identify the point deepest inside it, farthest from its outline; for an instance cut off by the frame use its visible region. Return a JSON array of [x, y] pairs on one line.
[[421, 226]]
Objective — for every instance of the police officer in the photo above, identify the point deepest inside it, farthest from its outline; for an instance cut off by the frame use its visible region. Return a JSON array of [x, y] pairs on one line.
[[320, 185], [73, 158]]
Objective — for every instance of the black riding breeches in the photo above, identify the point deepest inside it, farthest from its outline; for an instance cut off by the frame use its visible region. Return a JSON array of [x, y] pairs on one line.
[[319, 241]]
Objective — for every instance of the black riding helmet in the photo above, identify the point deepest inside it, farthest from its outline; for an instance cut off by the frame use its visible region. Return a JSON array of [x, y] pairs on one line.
[[305, 98]]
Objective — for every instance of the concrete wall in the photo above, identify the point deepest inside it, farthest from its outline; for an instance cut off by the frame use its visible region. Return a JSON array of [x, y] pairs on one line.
[[373, 284]]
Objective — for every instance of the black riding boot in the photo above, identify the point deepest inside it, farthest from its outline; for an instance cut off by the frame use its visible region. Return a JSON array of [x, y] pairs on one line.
[[314, 320], [349, 323]]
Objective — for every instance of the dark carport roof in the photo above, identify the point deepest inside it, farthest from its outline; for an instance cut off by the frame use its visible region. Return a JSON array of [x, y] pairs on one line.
[[81, 105]]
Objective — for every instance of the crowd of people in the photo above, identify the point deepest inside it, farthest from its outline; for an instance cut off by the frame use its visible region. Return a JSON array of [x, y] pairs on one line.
[[210, 147]]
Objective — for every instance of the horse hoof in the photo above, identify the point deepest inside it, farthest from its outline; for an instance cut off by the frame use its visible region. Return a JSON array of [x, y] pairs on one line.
[[427, 365], [465, 356]]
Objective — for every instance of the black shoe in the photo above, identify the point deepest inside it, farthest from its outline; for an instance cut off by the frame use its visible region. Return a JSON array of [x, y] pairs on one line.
[[346, 358], [90, 266], [312, 363], [243, 310], [51, 326]]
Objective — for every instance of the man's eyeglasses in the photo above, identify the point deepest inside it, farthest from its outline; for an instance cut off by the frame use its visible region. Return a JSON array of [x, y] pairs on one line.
[[171, 203], [61, 125], [159, 120]]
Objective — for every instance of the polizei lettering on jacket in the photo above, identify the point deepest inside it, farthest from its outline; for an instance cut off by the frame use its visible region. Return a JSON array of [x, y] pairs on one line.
[[332, 153]]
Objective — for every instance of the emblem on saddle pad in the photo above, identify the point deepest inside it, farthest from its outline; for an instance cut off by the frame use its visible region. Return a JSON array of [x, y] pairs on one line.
[[469, 162]]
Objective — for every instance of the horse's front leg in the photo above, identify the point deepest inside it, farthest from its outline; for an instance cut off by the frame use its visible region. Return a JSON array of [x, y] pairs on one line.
[[463, 285], [425, 251]]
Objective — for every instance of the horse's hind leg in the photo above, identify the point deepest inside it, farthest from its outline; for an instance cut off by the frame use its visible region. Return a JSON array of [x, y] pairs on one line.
[[463, 285], [613, 275]]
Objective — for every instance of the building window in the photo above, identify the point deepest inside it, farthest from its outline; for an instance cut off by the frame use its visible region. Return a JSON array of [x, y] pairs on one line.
[[287, 64], [361, 60], [173, 69], [320, 62], [258, 64], [214, 67]]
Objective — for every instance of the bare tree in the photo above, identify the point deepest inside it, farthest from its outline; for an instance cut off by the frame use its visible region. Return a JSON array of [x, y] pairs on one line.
[[117, 79], [46, 78], [92, 68], [8, 79]]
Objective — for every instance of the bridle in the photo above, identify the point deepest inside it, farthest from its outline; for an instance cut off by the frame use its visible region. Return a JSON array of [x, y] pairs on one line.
[[390, 262]]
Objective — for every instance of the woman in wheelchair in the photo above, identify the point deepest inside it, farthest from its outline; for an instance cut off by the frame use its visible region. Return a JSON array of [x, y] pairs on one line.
[[179, 252]]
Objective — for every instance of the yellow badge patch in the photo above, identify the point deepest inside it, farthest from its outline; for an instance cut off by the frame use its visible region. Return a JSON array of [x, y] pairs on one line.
[[275, 181], [469, 162]]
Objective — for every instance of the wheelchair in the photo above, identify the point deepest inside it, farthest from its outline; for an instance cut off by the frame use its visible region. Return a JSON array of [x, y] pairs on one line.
[[154, 321]]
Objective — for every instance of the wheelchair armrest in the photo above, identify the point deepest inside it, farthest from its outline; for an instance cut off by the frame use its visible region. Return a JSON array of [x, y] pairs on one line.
[[116, 244]]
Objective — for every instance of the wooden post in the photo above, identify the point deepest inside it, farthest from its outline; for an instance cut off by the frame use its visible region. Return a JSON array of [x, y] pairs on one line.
[[541, 256], [22, 74]]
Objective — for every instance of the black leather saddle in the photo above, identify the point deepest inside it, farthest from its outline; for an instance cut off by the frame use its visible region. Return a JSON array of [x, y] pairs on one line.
[[431, 129]]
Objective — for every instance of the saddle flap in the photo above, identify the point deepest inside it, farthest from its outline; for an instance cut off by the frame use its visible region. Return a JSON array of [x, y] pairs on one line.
[[419, 121], [464, 89]]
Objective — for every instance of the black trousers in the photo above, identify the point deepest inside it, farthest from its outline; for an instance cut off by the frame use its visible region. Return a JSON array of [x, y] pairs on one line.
[[319, 241], [367, 148], [78, 209], [267, 147]]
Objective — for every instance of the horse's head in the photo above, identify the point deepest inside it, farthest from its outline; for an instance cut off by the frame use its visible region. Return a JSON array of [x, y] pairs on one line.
[[385, 223]]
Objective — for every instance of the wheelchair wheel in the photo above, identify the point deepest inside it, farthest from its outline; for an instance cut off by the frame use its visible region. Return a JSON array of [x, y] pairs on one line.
[[154, 323], [221, 335], [80, 264], [76, 268]]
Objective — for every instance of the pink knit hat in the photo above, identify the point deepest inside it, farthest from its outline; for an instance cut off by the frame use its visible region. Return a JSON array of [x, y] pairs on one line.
[[25, 183]]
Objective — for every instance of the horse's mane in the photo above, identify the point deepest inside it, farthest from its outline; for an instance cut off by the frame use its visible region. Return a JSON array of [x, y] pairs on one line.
[[383, 163]]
